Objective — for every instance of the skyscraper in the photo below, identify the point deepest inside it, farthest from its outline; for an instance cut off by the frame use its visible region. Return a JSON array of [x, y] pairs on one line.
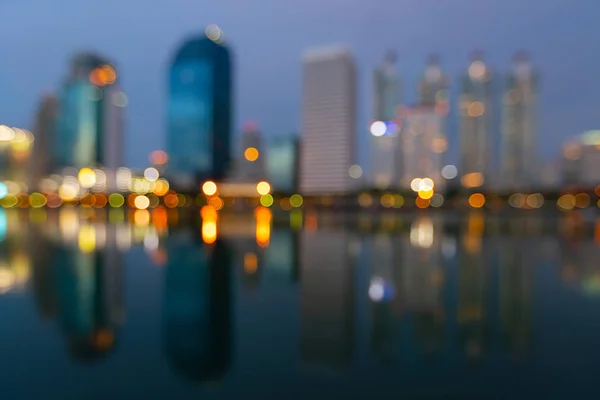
[[423, 146], [41, 163], [328, 121], [433, 88], [282, 163], [519, 160], [90, 119], [251, 166], [476, 122], [199, 110], [385, 146]]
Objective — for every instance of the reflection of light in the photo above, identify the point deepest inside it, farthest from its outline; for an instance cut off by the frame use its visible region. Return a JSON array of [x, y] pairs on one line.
[[141, 217], [380, 290], [449, 172], [86, 239], [449, 247], [68, 223], [250, 263], [263, 226], [355, 171], [421, 233], [209, 188], [7, 279], [209, 231], [3, 190], [151, 241], [378, 128], [3, 224]]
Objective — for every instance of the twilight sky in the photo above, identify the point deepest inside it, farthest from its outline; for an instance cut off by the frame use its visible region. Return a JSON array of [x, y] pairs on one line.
[[268, 37]]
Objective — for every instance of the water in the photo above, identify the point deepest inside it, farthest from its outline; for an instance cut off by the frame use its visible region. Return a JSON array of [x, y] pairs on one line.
[[412, 306]]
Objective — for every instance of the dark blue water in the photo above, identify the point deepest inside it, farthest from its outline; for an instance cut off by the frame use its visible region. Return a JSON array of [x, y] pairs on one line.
[[420, 306]]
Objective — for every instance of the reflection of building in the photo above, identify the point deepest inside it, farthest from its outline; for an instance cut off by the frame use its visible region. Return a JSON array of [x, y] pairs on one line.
[[45, 135], [472, 290], [516, 286], [581, 160], [281, 257], [476, 122], [326, 298], [282, 163], [423, 146], [90, 300], [382, 293], [385, 160], [199, 110], [198, 326], [90, 126], [519, 158], [328, 121]]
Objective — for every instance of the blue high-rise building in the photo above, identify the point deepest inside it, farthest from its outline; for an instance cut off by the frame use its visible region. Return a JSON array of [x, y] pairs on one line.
[[199, 110]]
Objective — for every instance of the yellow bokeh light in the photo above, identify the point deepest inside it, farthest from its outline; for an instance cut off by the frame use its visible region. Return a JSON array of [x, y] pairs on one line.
[[251, 154], [209, 188], [68, 191], [116, 200], [365, 200], [266, 200], [209, 231], [161, 187], [477, 200], [263, 188], [296, 200], [216, 203], [142, 202], [87, 177], [388, 201], [472, 180], [566, 202], [37, 200], [426, 194], [582, 200]]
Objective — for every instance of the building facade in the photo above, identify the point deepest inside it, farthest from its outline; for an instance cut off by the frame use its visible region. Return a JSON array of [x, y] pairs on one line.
[[328, 121], [424, 144], [90, 118], [282, 162], [476, 123], [519, 158], [200, 110], [44, 133], [581, 160], [385, 159], [251, 166]]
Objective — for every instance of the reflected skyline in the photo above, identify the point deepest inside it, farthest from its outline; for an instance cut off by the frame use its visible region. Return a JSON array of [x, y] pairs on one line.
[[425, 302]]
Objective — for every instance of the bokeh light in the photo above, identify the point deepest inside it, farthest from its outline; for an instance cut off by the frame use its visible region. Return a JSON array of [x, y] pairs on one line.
[[251, 154], [263, 188], [477, 200], [87, 177], [151, 174], [142, 202], [209, 188]]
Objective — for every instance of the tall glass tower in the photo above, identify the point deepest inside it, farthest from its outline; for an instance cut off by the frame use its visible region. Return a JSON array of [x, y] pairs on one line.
[[519, 158], [90, 124], [199, 110], [476, 123]]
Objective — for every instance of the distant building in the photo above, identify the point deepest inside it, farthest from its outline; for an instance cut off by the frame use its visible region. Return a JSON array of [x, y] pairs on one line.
[[328, 121], [250, 167], [433, 88], [200, 110], [423, 146], [90, 119], [581, 160], [385, 147], [476, 123], [282, 161], [519, 158], [44, 133]]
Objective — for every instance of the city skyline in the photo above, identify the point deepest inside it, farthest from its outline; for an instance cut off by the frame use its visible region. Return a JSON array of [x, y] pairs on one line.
[[278, 79]]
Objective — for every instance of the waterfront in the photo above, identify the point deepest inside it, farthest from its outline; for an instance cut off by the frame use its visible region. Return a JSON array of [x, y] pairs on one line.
[[419, 305]]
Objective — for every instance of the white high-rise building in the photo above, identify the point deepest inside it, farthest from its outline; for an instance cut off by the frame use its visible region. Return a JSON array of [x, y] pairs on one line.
[[385, 159], [328, 121], [519, 158]]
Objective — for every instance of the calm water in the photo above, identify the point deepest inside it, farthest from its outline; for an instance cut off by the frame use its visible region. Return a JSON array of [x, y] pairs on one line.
[[413, 306]]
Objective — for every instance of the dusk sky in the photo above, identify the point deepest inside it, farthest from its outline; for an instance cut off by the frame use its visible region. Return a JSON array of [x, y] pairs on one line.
[[268, 37]]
